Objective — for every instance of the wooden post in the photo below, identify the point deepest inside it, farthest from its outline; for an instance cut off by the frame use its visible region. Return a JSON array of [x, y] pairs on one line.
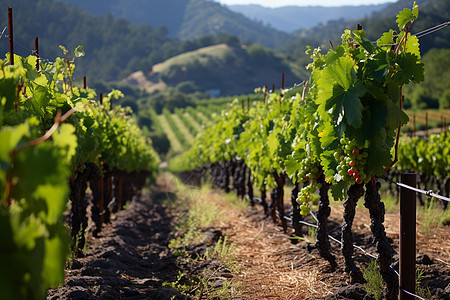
[[443, 123], [407, 243], [282, 82], [265, 93], [11, 36], [36, 52], [84, 82], [101, 98]]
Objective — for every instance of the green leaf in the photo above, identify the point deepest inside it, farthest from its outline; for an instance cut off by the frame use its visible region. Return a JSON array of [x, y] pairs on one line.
[[337, 90], [409, 69], [10, 137], [404, 18], [412, 45], [339, 190], [352, 104], [66, 140], [360, 38], [40, 100], [327, 135], [415, 10], [386, 38], [377, 67], [56, 252], [79, 51]]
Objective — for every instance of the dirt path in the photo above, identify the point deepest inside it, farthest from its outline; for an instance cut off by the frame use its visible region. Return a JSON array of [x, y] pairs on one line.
[[131, 258]]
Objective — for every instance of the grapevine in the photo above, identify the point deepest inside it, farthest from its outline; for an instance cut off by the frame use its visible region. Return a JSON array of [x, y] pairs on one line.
[[340, 132], [55, 136]]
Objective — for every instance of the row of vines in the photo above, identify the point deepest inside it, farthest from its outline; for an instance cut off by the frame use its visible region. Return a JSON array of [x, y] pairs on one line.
[[339, 132], [56, 140]]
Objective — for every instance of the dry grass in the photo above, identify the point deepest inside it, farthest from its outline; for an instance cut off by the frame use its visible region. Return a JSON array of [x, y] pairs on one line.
[[271, 267]]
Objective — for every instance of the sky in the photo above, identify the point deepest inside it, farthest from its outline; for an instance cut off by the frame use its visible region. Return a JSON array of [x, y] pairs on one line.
[[278, 3]]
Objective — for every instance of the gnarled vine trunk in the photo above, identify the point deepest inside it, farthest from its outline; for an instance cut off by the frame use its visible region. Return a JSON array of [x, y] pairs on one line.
[[322, 241], [296, 217], [384, 248], [355, 192]]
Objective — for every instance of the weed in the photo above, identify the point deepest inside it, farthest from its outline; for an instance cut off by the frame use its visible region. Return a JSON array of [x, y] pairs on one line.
[[421, 290], [374, 285], [310, 238], [432, 216], [204, 287], [224, 252]]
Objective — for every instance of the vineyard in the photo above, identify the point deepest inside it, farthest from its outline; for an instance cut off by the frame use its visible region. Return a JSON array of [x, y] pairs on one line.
[[340, 132], [72, 162], [56, 140]]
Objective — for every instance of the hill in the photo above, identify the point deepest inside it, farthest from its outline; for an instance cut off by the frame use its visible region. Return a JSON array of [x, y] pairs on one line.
[[292, 18], [432, 13], [186, 19], [113, 47], [219, 70]]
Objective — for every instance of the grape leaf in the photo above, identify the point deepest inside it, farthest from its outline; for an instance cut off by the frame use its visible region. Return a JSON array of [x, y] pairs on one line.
[[409, 69], [415, 10], [360, 38], [386, 38], [404, 18], [338, 190]]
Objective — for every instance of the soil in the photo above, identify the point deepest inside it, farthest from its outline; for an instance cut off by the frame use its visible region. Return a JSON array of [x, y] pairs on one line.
[[131, 259]]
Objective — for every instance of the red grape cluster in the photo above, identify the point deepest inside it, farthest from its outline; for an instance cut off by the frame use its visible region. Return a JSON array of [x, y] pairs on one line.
[[353, 159]]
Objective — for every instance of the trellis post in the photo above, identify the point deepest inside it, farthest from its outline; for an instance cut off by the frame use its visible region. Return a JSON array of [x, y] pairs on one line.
[[407, 242]]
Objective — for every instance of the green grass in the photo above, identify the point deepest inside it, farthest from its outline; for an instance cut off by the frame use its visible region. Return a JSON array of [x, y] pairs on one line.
[[204, 210], [432, 216]]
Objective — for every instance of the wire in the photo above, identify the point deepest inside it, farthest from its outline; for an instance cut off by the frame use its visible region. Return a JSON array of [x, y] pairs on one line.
[[420, 34], [411, 294], [3, 32], [431, 30], [427, 193], [354, 246]]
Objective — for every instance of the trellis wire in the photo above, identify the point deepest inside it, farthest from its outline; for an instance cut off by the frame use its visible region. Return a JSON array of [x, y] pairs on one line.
[[354, 246], [428, 193]]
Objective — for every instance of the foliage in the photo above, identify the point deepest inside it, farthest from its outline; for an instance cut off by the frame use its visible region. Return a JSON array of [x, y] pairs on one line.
[[343, 125], [39, 155], [429, 156], [432, 92]]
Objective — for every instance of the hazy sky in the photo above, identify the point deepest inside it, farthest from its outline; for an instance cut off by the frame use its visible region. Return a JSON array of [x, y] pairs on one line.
[[277, 3]]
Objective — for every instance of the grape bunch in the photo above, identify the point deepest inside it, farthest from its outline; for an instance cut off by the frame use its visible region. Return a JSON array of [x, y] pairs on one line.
[[352, 160], [309, 171], [304, 197]]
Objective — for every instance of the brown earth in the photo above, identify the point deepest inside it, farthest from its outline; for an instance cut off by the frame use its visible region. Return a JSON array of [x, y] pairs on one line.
[[131, 259]]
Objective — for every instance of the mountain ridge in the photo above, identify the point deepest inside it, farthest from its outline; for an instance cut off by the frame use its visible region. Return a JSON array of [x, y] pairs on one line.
[[186, 19], [291, 18]]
